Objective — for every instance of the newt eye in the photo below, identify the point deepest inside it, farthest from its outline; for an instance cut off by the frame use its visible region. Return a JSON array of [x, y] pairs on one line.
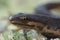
[[22, 17]]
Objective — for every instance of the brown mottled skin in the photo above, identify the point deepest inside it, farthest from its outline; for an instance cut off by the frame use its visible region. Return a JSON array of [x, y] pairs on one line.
[[42, 21]]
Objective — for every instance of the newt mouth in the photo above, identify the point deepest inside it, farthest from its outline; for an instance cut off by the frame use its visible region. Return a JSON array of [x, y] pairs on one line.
[[16, 22]]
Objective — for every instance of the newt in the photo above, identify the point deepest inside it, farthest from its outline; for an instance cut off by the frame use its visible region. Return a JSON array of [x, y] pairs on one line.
[[42, 20]]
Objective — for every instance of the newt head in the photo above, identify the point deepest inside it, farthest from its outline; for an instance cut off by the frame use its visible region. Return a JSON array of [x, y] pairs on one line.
[[18, 19]]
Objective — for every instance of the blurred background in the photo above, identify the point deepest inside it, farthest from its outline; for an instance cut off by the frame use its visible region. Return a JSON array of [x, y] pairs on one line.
[[11, 7]]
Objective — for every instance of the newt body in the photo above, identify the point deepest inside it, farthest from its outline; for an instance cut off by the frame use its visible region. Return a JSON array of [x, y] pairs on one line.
[[42, 21]]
